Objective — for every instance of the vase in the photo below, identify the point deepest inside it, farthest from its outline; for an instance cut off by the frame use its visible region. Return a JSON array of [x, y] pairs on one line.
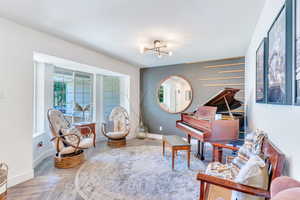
[[142, 131]]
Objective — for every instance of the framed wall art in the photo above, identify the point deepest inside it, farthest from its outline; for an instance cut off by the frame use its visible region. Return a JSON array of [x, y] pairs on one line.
[[261, 62], [279, 68]]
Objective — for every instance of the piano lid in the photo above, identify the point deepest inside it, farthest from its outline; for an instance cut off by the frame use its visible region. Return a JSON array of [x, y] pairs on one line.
[[220, 102]]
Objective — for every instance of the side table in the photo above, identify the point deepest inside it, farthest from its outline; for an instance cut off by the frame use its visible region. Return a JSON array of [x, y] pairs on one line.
[[85, 128]]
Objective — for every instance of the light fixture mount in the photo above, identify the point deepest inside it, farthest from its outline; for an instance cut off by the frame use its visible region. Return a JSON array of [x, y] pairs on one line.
[[158, 49]]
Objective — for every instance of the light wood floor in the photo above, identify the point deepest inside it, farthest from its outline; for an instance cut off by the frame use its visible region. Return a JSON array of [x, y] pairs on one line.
[[54, 184]]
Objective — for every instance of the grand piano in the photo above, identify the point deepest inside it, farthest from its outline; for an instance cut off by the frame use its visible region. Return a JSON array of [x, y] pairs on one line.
[[214, 121]]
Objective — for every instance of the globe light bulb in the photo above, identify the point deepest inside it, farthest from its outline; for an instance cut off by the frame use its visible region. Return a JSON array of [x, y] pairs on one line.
[[142, 50], [170, 53], [156, 43]]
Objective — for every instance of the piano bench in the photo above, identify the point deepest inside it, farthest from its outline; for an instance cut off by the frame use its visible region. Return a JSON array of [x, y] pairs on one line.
[[177, 144]]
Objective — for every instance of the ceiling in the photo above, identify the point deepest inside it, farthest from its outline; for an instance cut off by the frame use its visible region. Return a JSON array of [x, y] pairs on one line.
[[195, 30]]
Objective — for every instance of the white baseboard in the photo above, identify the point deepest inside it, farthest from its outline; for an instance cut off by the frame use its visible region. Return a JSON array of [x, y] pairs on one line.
[[20, 178]]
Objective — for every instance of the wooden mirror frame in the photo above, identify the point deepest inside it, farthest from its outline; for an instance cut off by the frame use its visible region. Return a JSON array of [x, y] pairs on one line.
[[158, 87]]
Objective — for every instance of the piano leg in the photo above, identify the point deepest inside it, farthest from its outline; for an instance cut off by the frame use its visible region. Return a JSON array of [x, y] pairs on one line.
[[200, 150]]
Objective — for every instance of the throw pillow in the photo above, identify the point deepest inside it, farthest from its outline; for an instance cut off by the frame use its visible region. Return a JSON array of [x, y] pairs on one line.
[[253, 173], [72, 139]]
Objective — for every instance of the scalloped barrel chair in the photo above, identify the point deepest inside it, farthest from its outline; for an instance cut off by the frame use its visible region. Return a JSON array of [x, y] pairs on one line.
[[285, 188], [121, 127], [68, 141]]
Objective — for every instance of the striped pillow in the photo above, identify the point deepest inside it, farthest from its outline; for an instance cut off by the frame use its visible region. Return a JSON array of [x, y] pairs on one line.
[[252, 146]]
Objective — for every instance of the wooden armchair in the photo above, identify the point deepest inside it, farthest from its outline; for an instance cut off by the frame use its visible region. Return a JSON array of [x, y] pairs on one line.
[[274, 157]]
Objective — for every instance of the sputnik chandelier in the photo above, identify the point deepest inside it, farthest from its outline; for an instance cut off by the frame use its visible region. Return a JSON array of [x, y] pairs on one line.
[[157, 49]]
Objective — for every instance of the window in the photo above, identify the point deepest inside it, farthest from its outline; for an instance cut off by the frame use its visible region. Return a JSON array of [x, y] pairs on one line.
[[72, 94], [80, 95], [83, 97], [63, 88], [111, 94]]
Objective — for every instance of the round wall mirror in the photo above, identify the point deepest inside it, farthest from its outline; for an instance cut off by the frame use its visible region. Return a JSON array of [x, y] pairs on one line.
[[174, 94]]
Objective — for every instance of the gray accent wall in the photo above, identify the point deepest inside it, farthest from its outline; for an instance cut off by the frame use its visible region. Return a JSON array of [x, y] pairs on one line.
[[154, 117]]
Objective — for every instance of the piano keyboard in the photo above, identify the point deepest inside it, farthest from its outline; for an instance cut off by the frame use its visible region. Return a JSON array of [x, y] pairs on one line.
[[190, 128]]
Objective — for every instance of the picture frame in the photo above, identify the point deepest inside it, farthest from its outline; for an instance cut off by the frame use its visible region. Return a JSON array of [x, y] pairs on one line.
[[297, 54], [261, 65], [279, 67]]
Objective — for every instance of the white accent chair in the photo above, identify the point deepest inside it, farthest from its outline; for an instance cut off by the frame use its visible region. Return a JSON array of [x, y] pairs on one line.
[[121, 127]]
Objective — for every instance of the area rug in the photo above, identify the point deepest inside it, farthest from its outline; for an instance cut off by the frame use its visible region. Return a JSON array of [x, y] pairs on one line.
[[138, 173]]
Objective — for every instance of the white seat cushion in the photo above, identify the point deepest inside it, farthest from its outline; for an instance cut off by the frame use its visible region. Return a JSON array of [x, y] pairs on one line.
[[86, 143], [220, 170], [116, 135], [67, 150], [71, 130]]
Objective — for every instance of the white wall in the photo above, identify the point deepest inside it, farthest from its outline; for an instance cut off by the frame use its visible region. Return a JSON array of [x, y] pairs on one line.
[[43, 94], [280, 122], [16, 89]]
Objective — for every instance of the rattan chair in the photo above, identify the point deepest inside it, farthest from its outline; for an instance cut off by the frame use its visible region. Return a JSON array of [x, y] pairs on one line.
[[67, 140], [3, 181], [121, 127]]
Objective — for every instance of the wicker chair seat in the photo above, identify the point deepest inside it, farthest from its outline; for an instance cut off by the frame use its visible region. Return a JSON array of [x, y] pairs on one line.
[[68, 141], [3, 176], [84, 144]]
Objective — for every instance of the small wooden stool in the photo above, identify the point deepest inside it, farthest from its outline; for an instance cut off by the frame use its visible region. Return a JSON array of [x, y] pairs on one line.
[[177, 144]]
